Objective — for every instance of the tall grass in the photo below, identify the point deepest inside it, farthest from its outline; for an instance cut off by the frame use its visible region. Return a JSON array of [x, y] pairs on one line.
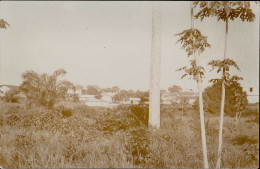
[[117, 138]]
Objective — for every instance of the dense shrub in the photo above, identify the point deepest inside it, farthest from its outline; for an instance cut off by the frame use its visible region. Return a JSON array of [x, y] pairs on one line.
[[141, 114], [138, 146], [253, 114], [242, 139], [66, 112], [250, 112], [11, 97], [234, 94]]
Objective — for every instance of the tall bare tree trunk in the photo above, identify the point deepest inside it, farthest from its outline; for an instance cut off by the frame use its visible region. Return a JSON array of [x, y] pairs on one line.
[[202, 121], [222, 103], [202, 126], [154, 98]]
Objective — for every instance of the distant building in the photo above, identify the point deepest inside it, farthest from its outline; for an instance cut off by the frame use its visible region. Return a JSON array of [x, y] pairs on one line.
[[252, 91], [107, 98], [4, 90], [168, 98], [76, 91], [134, 100], [188, 95], [91, 100]]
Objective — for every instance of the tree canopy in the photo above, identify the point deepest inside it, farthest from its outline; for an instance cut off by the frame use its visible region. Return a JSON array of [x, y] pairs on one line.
[[175, 89], [45, 89], [224, 10], [235, 98]]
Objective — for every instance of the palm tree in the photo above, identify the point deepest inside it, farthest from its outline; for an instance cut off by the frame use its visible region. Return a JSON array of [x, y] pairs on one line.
[[194, 43], [154, 98], [224, 10]]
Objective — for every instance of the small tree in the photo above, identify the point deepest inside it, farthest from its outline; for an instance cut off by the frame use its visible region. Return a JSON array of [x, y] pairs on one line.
[[239, 98], [45, 89], [194, 43], [225, 11], [175, 89], [235, 101], [93, 90]]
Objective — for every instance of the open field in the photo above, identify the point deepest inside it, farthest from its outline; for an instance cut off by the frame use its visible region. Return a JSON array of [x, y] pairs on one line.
[[84, 137]]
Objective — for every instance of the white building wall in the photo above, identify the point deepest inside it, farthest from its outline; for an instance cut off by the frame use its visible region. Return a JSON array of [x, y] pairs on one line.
[[252, 91]]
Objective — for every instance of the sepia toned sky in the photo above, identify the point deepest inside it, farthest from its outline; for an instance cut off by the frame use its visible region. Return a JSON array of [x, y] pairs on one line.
[[109, 43]]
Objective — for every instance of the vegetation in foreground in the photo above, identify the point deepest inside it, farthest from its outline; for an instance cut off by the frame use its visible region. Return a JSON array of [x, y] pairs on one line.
[[84, 137]]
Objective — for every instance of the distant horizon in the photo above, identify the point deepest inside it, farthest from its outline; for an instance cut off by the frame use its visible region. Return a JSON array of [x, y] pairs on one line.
[[104, 87]]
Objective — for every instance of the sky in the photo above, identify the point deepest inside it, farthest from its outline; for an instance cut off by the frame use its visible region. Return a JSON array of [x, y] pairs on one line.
[[109, 43]]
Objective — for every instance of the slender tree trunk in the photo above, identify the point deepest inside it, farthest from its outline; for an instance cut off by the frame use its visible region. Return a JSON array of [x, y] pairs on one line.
[[202, 126], [222, 103], [202, 121], [154, 98]]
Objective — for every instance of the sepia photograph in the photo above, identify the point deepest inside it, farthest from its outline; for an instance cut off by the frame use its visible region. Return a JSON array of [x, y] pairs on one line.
[[129, 84]]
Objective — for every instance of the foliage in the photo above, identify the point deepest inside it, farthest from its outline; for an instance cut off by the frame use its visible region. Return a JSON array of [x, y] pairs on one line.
[[66, 112], [98, 96], [75, 97], [242, 139], [3, 24], [41, 138], [114, 89], [253, 114], [193, 41], [93, 90], [141, 114], [45, 89], [212, 98], [225, 66], [193, 70], [124, 95], [224, 10], [10, 96], [237, 98], [175, 89]]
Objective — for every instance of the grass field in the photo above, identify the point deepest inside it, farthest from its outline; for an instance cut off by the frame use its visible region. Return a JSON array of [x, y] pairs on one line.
[[84, 137]]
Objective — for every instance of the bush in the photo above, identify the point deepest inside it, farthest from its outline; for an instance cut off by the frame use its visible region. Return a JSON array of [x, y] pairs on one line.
[[74, 97], [141, 114], [138, 146], [250, 112], [66, 112], [10, 96], [235, 99], [242, 139]]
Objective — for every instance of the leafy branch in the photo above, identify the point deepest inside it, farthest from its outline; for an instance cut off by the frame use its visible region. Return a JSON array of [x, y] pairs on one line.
[[192, 41], [193, 70], [225, 10]]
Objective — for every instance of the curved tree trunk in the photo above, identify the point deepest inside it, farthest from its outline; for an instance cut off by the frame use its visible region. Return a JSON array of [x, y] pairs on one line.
[[202, 121], [154, 98], [222, 103]]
